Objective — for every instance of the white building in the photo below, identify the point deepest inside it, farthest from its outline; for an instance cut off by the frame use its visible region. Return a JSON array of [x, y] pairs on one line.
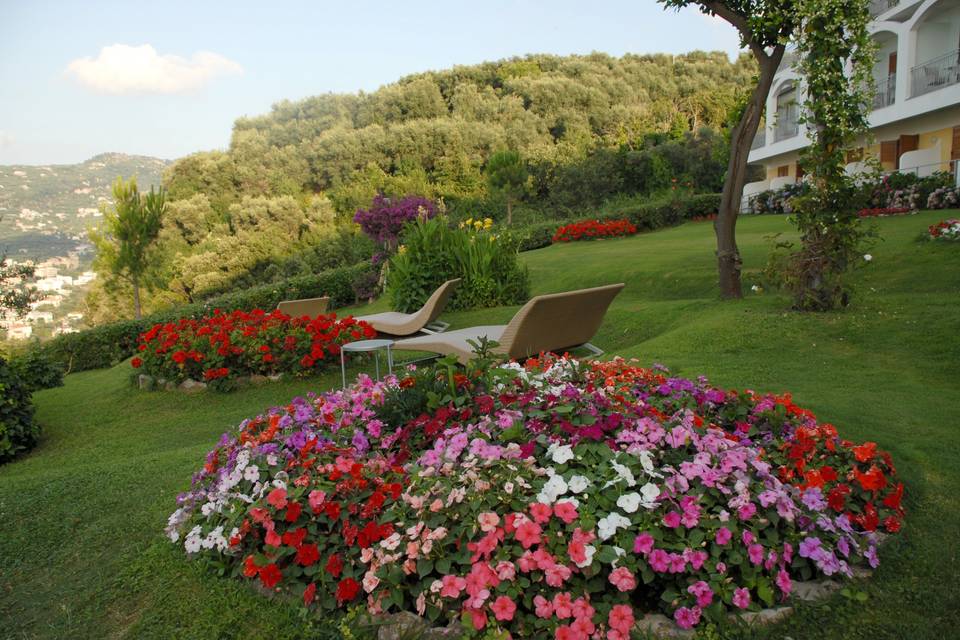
[[40, 316], [915, 119], [19, 332]]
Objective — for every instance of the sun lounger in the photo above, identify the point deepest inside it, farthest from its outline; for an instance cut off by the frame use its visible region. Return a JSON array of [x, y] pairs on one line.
[[312, 307], [552, 322], [425, 320]]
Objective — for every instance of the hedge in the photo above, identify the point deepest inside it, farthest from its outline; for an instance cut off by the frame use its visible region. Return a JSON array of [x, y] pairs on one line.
[[18, 431], [106, 345]]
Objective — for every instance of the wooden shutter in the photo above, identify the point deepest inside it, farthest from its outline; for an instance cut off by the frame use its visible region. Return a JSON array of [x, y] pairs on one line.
[[783, 171], [955, 148], [909, 143], [889, 152], [892, 64]]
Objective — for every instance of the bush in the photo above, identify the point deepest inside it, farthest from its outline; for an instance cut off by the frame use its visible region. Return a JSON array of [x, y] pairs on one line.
[[433, 252], [385, 219], [655, 214], [18, 432], [38, 370], [225, 346], [495, 499], [107, 345], [535, 236]]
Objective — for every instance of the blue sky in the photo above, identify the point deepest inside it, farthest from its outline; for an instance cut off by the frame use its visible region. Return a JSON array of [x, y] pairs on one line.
[[68, 92]]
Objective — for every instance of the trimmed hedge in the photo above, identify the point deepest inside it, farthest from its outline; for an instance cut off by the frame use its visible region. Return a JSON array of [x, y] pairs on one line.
[[18, 431], [109, 344], [537, 236]]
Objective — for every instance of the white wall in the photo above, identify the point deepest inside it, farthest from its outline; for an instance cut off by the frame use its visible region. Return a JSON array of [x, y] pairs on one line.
[[925, 161], [938, 33]]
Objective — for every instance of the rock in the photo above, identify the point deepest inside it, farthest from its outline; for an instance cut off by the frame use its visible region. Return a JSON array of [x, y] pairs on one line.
[[402, 625], [192, 386], [275, 377], [443, 633], [766, 616], [258, 380], [661, 626], [169, 385], [861, 572], [145, 382], [814, 589]]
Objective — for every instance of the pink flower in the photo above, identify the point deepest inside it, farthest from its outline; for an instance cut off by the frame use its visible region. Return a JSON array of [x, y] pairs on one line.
[[747, 511], [621, 618], [747, 537], [577, 552], [672, 520], [622, 579], [755, 552], [506, 570], [582, 609], [435, 507], [678, 564], [741, 597], [723, 535], [315, 499], [488, 521], [452, 586], [526, 562], [565, 511], [783, 581], [583, 627], [643, 543], [687, 618], [565, 633], [503, 608], [562, 605], [698, 558], [702, 592], [543, 607], [541, 512], [659, 560], [528, 534], [277, 498], [721, 568], [556, 574]]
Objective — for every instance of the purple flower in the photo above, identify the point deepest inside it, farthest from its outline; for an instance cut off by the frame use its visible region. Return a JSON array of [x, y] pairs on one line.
[[872, 557], [809, 547], [813, 499]]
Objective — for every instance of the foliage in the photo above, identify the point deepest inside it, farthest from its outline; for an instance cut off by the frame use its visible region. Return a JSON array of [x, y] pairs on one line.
[[125, 242], [385, 218], [535, 236], [19, 432], [836, 54], [649, 214], [778, 200], [513, 507], [219, 348], [592, 229], [15, 294], [433, 252], [507, 177], [944, 198], [945, 230], [108, 344], [37, 370]]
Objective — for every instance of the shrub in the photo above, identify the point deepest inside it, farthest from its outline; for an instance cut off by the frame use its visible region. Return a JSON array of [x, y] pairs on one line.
[[385, 218], [38, 370], [109, 344], [523, 510], [593, 229], [944, 198], [945, 230], [535, 236], [433, 252], [225, 346], [18, 432], [655, 214]]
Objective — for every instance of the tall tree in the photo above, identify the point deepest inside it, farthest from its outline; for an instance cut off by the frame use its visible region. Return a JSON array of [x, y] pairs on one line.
[[127, 236], [507, 176], [765, 27], [15, 294]]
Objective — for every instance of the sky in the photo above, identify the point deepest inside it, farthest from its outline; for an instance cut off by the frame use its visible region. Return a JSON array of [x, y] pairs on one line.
[[166, 79]]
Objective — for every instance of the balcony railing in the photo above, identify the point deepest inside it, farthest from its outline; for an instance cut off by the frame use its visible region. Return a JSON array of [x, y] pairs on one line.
[[760, 140], [935, 74], [886, 92], [788, 124], [882, 6]]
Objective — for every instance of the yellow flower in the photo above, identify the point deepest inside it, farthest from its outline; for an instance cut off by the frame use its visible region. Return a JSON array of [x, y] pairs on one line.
[[402, 249], [478, 225], [468, 221], [487, 223]]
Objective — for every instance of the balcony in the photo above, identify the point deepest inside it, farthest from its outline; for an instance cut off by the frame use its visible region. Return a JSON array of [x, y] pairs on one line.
[[886, 93], [882, 6], [760, 140], [935, 74], [788, 123]]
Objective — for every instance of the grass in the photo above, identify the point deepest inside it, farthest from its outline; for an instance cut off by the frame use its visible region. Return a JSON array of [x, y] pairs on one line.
[[81, 553]]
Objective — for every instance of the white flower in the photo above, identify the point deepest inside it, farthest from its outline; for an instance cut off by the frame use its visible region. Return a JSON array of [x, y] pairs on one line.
[[588, 551], [251, 473], [391, 543], [620, 553], [754, 288], [556, 486], [571, 500], [624, 473], [650, 493], [192, 544], [272, 459], [508, 487], [578, 484], [629, 502], [560, 454], [208, 508], [868, 257], [608, 526], [646, 460]]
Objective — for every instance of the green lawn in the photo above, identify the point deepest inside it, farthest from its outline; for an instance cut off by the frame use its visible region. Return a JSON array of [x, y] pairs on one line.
[[81, 551]]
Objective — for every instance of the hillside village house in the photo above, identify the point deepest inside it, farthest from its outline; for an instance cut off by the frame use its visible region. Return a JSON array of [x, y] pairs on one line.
[[915, 117]]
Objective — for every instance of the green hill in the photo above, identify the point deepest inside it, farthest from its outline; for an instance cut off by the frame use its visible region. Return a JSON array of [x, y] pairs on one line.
[[80, 536]]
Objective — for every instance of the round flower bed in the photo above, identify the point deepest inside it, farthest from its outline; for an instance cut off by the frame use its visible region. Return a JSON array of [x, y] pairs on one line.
[[945, 230], [593, 229], [226, 346], [557, 499]]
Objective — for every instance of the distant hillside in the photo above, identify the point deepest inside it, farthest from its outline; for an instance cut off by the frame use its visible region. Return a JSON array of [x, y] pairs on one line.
[[45, 210]]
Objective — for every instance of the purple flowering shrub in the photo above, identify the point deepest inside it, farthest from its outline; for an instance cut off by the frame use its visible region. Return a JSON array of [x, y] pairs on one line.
[[385, 218]]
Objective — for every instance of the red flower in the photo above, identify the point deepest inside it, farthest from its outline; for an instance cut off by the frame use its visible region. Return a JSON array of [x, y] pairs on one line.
[[347, 590], [893, 498], [892, 524], [837, 497], [137, 363], [334, 565], [270, 575], [250, 567], [865, 452], [332, 509], [293, 511], [307, 554], [309, 593], [294, 538], [872, 480]]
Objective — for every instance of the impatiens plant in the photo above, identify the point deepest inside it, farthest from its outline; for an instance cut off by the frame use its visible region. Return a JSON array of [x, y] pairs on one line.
[[945, 230], [593, 229], [224, 346], [556, 499]]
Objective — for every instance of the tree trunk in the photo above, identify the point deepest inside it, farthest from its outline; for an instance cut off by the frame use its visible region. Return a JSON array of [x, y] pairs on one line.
[[509, 212], [741, 139], [136, 299]]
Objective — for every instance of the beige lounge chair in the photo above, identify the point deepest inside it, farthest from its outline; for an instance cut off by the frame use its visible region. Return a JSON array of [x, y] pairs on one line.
[[312, 307], [395, 323], [552, 322]]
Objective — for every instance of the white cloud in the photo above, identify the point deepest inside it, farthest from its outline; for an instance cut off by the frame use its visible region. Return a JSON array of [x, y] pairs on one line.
[[124, 69]]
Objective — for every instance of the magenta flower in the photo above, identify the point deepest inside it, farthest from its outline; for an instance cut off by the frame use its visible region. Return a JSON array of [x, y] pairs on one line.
[[755, 551], [672, 520], [723, 535], [687, 618], [643, 543], [741, 597]]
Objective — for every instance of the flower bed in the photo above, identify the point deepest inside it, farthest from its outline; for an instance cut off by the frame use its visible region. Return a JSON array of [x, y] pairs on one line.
[[559, 499], [227, 346], [945, 230], [882, 212], [592, 229]]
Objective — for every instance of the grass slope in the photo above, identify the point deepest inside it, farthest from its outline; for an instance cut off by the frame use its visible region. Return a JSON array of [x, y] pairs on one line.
[[81, 554]]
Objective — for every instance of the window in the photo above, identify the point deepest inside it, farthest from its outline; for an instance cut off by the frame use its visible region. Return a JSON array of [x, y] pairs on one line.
[[784, 171]]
